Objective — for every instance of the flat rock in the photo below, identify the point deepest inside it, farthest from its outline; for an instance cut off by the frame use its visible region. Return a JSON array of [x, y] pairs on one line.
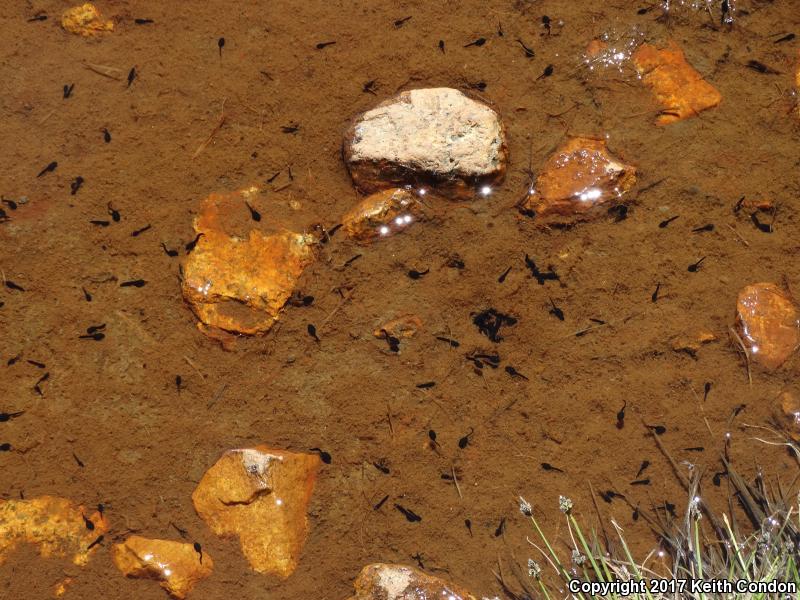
[[85, 20], [382, 214], [260, 495], [768, 324], [404, 326], [579, 177], [428, 137], [240, 284], [398, 582], [680, 89], [177, 566], [57, 526]]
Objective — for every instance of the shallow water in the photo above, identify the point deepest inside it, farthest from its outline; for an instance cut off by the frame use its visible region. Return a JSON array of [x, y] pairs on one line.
[[110, 424]]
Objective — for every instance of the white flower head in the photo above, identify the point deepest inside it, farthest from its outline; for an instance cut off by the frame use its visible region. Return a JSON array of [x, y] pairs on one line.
[[577, 557], [525, 507], [564, 504], [534, 570], [695, 508]]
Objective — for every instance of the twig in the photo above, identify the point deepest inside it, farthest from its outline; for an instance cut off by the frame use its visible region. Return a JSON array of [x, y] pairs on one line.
[[738, 235], [455, 480], [105, 71], [218, 395], [342, 300], [744, 351], [207, 141], [192, 364]]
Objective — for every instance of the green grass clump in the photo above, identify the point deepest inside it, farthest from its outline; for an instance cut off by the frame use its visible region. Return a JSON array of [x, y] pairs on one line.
[[700, 545]]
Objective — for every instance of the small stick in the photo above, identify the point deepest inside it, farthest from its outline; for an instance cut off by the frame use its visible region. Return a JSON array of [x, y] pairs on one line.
[[207, 141], [389, 419], [47, 116], [736, 233], [343, 299], [218, 395], [455, 480], [192, 364], [744, 351], [104, 71]]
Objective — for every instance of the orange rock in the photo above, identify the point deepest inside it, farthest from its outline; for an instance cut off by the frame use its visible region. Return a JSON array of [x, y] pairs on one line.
[[85, 20], [399, 582], [176, 565], [382, 214], [595, 48], [59, 527], [260, 495], [789, 414], [579, 176], [405, 326], [241, 284], [62, 586], [797, 81], [691, 344], [676, 84], [762, 204], [768, 324]]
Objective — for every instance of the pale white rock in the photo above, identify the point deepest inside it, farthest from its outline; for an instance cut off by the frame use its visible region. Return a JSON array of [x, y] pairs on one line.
[[435, 137]]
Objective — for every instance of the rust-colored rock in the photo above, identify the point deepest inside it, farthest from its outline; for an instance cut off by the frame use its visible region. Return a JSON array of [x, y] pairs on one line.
[[399, 582], [58, 526], [579, 177], [260, 495], [788, 414], [240, 284], [382, 214], [691, 344], [405, 326], [85, 20], [436, 137], [680, 89], [177, 566], [768, 324]]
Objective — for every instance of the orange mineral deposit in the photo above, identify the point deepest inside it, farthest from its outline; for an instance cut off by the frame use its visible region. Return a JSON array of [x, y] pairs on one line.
[[680, 89], [260, 495], [240, 283], [581, 175], [85, 20], [768, 324], [58, 526], [398, 582], [177, 566]]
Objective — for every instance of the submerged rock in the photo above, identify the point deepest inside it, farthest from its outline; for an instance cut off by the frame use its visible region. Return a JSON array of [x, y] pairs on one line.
[[399, 582], [768, 324], [58, 526], [691, 344], [429, 137], [405, 326], [241, 284], [680, 89], [580, 176], [260, 495], [382, 214], [788, 414], [177, 566], [85, 20]]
